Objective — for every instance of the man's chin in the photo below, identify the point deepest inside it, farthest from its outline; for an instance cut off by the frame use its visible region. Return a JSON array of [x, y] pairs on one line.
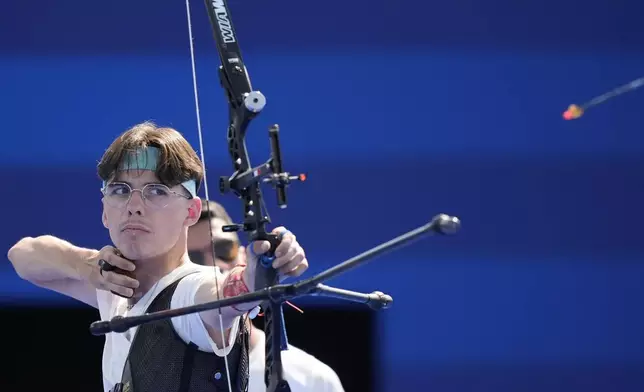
[[133, 251]]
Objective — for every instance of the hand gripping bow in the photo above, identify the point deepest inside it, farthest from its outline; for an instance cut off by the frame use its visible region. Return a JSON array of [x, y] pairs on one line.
[[244, 105]]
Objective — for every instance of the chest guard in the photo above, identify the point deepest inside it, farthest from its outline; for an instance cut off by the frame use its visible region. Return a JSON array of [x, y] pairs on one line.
[[160, 361]]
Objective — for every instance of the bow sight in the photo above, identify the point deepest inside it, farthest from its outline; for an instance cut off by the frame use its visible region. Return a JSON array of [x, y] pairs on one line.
[[269, 172], [244, 104]]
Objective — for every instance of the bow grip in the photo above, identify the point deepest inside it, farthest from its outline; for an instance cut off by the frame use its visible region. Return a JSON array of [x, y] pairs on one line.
[[267, 276], [266, 259]]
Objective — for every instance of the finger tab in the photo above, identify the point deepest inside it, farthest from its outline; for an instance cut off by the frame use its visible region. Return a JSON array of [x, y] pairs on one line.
[[105, 266], [122, 262]]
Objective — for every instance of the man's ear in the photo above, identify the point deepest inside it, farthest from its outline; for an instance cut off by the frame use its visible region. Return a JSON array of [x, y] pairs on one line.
[[104, 219], [194, 211]]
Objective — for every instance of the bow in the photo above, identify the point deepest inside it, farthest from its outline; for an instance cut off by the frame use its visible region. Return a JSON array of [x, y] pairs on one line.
[[244, 105]]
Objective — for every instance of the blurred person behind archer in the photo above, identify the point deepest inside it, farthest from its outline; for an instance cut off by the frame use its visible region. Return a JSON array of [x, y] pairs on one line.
[[303, 371]]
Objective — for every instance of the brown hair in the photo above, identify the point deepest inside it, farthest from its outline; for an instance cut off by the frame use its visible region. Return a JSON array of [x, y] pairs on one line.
[[178, 161]]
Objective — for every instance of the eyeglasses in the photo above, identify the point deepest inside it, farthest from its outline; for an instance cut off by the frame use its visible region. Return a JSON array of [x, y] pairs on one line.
[[118, 194]]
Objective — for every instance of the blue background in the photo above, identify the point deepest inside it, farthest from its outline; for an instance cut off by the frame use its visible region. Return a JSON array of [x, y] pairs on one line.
[[397, 111]]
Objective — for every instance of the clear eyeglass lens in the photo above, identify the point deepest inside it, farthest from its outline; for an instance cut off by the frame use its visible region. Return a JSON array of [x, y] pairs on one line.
[[154, 195]]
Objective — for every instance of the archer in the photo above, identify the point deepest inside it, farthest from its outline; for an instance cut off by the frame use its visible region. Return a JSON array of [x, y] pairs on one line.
[[150, 179]]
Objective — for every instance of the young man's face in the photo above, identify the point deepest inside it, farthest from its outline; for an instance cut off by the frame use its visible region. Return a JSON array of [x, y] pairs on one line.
[[141, 228]]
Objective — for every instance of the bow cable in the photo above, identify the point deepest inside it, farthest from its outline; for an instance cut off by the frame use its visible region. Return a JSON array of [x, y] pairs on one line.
[[205, 182]]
